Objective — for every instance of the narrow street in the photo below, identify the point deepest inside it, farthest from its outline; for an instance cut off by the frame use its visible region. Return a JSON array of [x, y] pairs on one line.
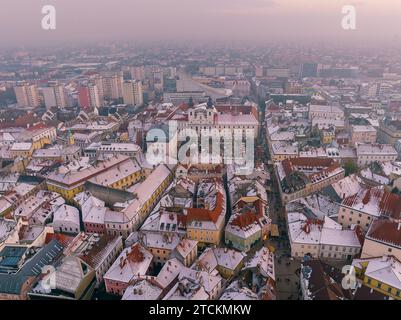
[[286, 268]]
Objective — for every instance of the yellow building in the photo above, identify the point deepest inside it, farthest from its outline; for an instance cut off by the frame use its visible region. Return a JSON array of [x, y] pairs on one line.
[[381, 274], [119, 177], [117, 172], [206, 224], [383, 237], [22, 149], [39, 135], [161, 245], [281, 150], [146, 196]]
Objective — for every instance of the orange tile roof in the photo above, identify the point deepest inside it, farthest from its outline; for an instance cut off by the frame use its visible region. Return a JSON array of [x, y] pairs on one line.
[[201, 214]]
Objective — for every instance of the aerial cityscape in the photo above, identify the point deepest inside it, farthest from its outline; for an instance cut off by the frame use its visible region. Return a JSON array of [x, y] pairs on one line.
[[189, 167]]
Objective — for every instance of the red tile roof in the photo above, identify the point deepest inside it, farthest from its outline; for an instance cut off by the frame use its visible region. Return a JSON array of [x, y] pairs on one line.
[[312, 162], [385, 231], [135, 255], [245, 219], [389, 203], [248, 217], [329, 165], [201, 214], [63, 239], [37, 127]]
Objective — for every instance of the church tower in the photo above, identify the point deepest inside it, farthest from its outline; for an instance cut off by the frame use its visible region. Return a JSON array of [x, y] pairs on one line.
[[71, 140]]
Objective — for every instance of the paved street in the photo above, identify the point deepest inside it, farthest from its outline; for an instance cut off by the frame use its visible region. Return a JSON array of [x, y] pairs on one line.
[[287, 269]]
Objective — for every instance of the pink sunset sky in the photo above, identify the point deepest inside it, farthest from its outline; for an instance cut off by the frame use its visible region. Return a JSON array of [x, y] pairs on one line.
[[152, 20]]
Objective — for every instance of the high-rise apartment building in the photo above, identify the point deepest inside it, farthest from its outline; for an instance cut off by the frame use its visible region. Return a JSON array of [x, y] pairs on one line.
[[27, 95], [113, 85], [95, 99], [88, 96], [132, 92], [138, 73], [54, 95], [83, 97], [98, 81]]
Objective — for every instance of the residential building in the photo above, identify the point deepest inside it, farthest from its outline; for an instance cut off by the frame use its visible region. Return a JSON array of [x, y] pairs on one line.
[[363, 134], [389, 132], [73, 280], [325, 112], [381, 274], [66, 219], [206, 222], [299, 177], [248, 224], [132, 93], [133, 262], [22, 149], [324, 239], [69, 182], [147, 195], [113, 85], [99, 252], [27, 95], [186, 251], [196, 285], [321, 281], [369, 204], [369, 153], [382, 238], [54, 95]]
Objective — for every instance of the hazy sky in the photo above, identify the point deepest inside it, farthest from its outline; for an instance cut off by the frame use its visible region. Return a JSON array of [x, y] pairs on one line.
[[94, 20]]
